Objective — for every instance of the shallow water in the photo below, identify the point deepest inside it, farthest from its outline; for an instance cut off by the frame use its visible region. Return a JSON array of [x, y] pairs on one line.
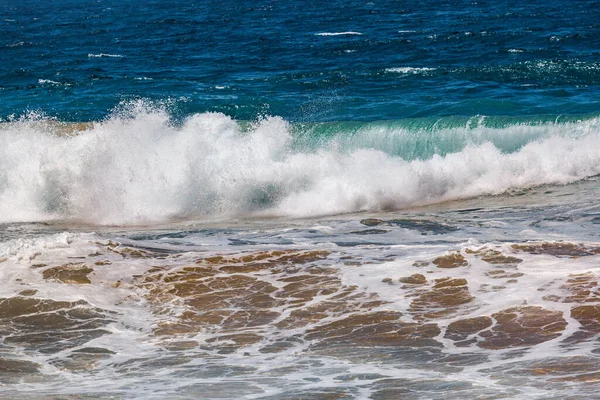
[[493, 297]]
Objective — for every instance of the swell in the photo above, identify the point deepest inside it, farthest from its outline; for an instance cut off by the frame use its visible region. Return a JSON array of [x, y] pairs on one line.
[[138, 166]]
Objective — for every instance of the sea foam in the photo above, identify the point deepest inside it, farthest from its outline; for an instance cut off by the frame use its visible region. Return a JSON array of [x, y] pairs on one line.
[[410, 70], [139, 167], [348, 33]]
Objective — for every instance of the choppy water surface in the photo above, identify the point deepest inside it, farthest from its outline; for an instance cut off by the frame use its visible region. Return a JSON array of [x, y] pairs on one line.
[[301, 60], [299, 200]]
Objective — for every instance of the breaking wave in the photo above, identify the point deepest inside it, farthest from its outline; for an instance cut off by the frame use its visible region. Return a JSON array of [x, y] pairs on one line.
[[139, 166]]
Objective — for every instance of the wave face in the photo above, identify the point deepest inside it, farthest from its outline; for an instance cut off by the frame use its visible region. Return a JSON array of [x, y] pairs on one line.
[[138, 166]]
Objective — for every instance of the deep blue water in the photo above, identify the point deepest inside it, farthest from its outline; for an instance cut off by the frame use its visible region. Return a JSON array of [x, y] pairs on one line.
[[398, 59]]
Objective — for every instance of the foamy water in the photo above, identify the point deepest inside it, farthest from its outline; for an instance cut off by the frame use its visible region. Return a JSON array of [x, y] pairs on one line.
[[409, 70], [139, 167], [493, 296], [348, 33]]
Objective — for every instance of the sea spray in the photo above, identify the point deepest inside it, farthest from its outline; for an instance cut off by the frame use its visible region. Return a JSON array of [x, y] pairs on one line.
[[139, 166]]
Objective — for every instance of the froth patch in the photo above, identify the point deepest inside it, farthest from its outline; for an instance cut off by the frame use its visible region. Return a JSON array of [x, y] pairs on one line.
[[347, 33], [104, 55], [410, 70]]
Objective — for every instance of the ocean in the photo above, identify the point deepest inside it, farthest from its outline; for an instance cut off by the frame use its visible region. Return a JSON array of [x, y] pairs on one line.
[[299, 200]]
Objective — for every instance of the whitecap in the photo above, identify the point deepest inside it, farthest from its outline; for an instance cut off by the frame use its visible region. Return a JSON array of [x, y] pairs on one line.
[[50, 82], [103, 55], [338, 33], [410, 70]]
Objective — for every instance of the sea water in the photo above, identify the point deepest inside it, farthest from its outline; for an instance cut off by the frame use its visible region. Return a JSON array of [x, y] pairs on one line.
[[282, 200]]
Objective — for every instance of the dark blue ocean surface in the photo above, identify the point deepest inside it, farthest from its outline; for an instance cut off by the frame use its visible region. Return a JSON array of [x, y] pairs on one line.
[[302, 60]]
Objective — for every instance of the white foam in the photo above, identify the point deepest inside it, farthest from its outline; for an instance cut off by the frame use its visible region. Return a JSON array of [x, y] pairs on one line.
[[409, 70], [338, 33], [102, 55], [139, 168], [51, 82], [25, 250]]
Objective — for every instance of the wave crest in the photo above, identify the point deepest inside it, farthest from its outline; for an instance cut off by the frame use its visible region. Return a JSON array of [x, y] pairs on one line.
[[140, 167]]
